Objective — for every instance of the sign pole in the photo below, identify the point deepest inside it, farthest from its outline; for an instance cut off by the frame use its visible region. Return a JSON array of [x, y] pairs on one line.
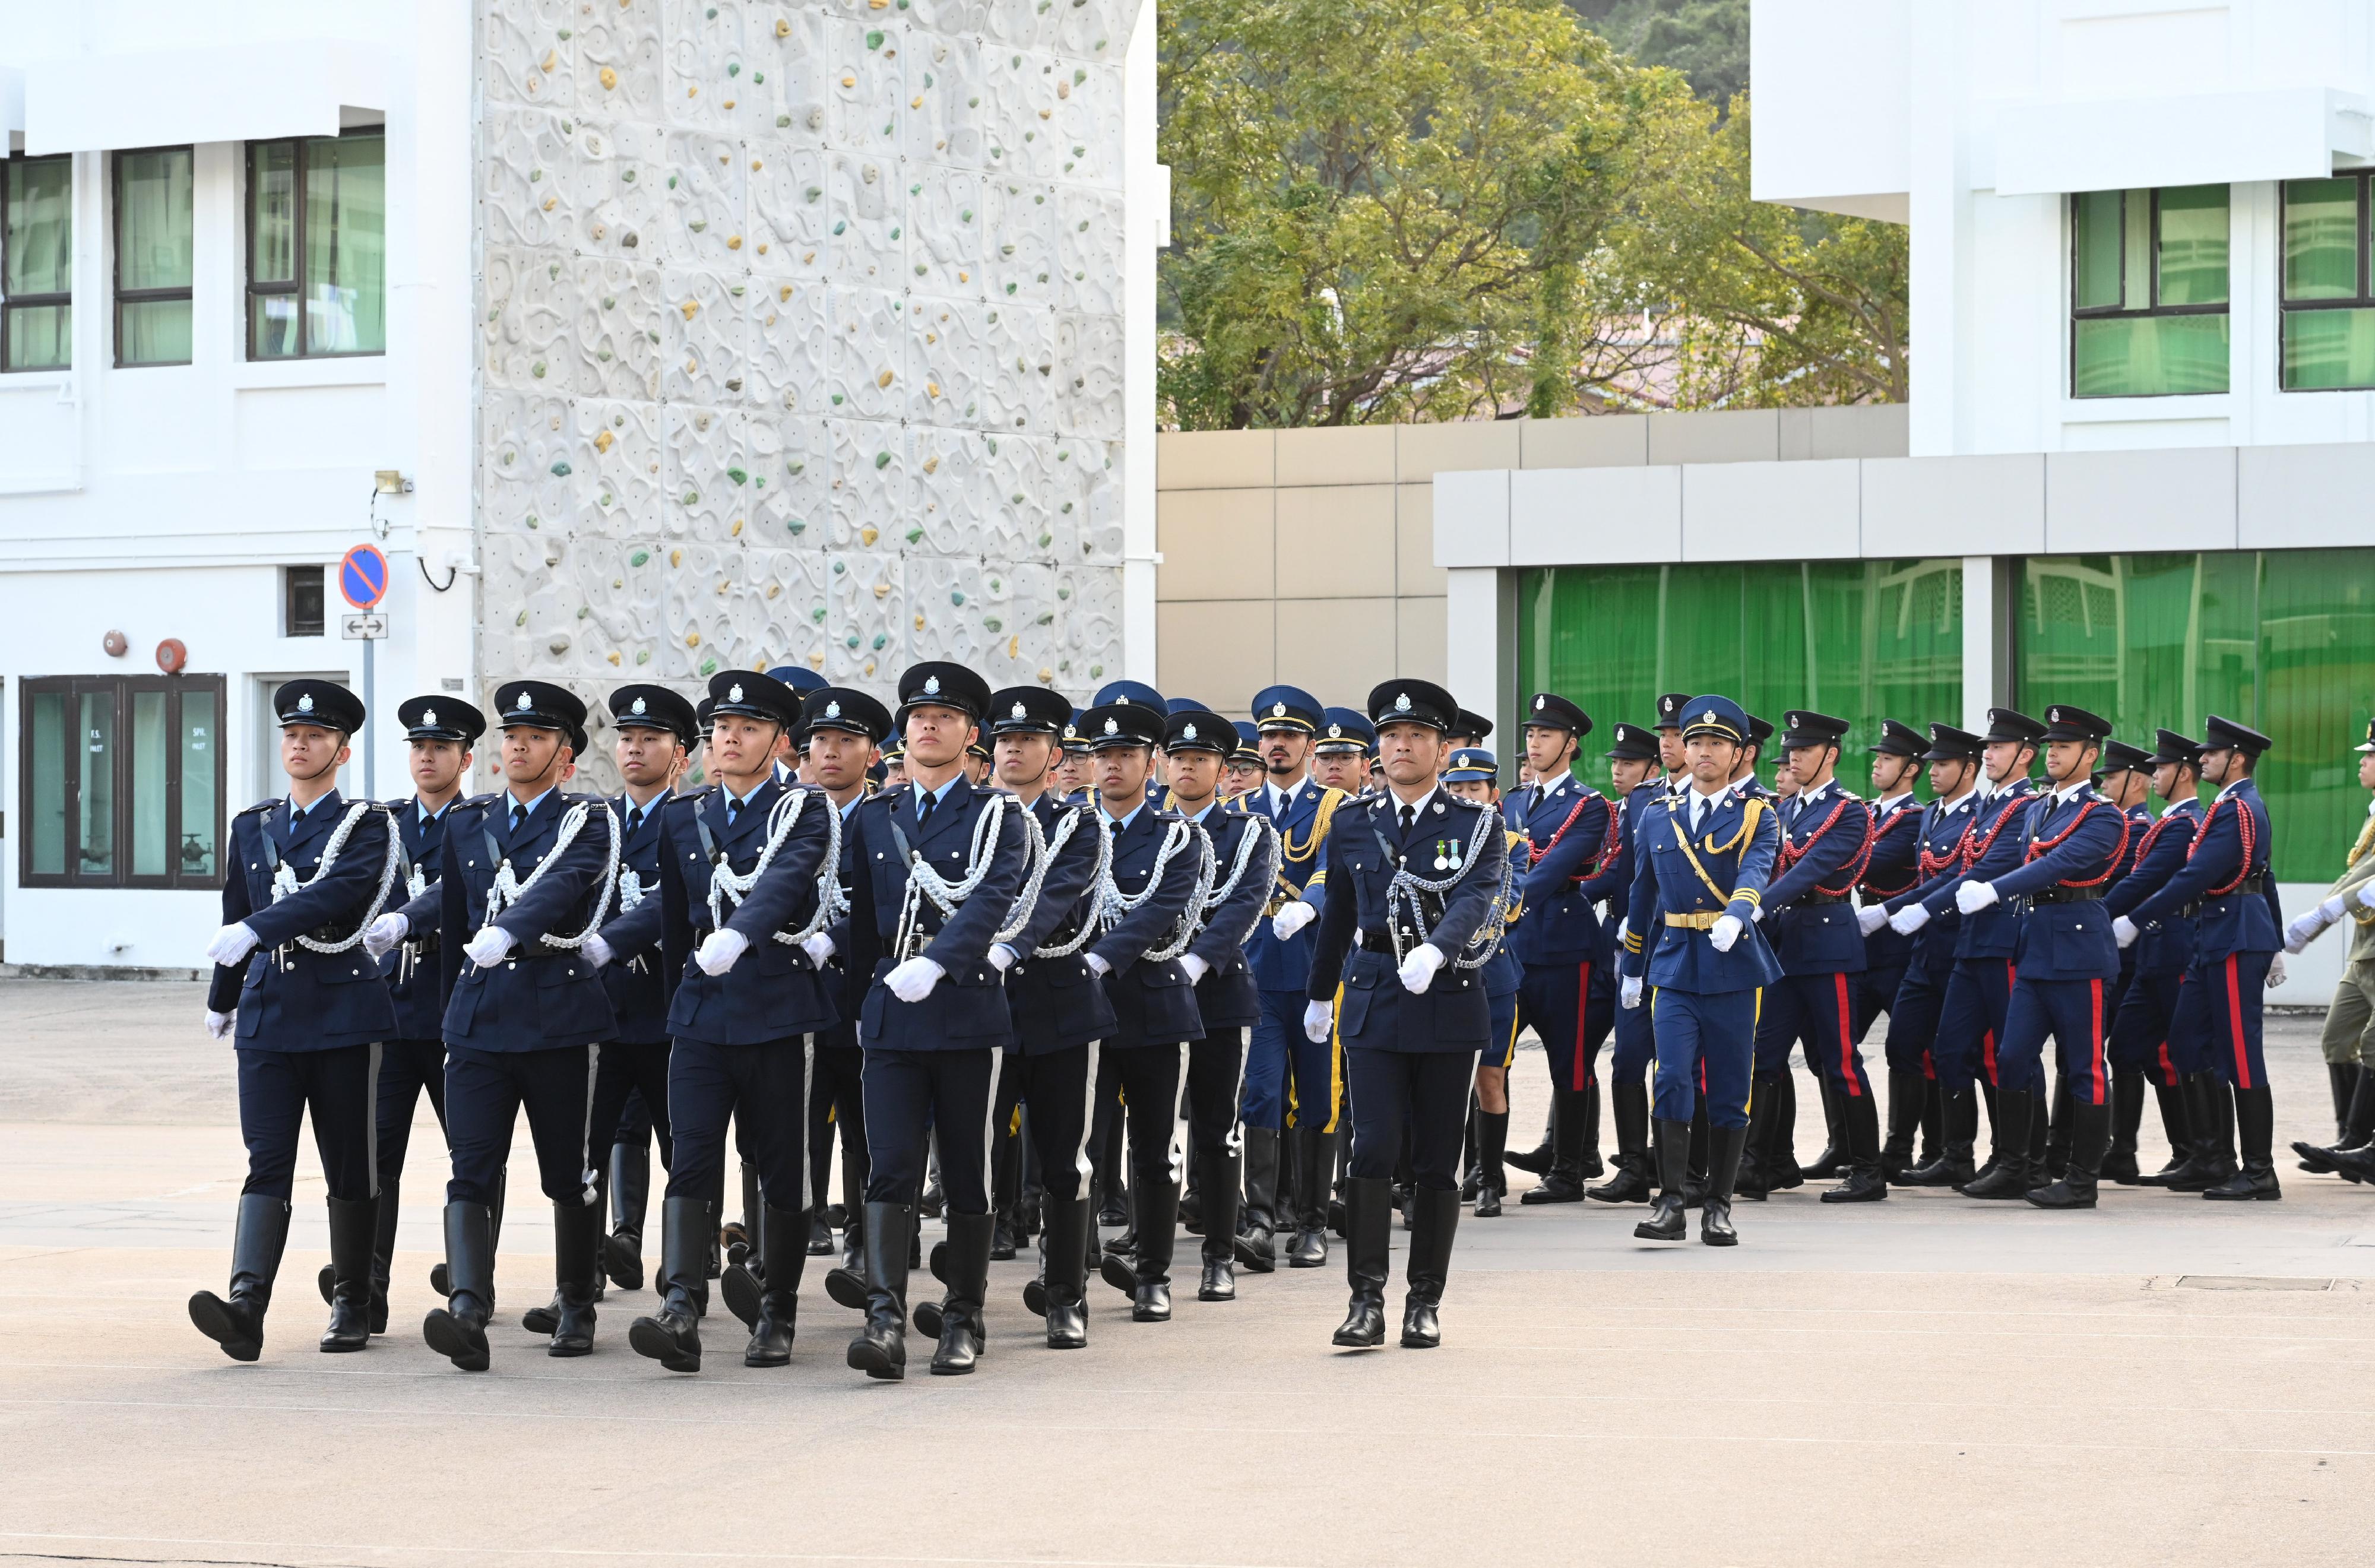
[[362, 578], [371, 726]]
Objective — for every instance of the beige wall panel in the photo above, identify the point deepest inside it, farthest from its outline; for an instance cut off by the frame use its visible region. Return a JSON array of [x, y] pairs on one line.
[[1336, 649], [1361, 455], [1744, 435], [1336, 541], [1414, 568], [1422, 451], [1216, 651], [1601, 440], [1215, 543], [1420, 649], [1204, 460]]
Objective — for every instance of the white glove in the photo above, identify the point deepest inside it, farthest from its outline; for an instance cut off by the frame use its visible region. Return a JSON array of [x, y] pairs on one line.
[[1197, 968], [2123, 931], [1097, 966], [1318, 1020], [819, 948], [1624, 929], [1909, 920], [1725, 932], [2333, 910], [913, 981], [231, 945], [2366, 894], [1756, 915], [1973, 897], [1001, 957], [386, 933], [720, 949], [1628, 990], [1871, 917], [595, 948], [2275, 971], [488, 947], [218, 1024], [1291, 918], [2305, 930], [1417, 972]]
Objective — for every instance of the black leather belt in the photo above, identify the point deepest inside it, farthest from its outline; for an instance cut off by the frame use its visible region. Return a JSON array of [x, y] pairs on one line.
[[2250, 886], [2066, 895], [1807, 899]]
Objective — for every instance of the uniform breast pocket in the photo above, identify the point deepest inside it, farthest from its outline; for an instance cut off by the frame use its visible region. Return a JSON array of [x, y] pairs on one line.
[[976, 1006], [1170, 1000], [569, 1001], [1360, 995]]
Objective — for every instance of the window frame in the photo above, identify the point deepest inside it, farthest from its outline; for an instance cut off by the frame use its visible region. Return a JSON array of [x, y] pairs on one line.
[[295, 287], [121, 689], [123, 296], [2156, 309], [11, 303], [2362, 301]]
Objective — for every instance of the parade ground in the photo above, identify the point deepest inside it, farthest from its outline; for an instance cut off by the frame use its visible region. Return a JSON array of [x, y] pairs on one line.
[[1926, 1380]]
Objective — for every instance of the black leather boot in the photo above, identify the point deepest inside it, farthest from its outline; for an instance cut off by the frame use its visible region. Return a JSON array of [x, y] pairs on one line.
[[439, 1280], [739, 1236], [1258, 1226], [354, 1224], [881, 1348], [2176, 1126], [672, 1336], [1587, 1162], [783, 1258], [1564, 1184], [962, 1332], [630, 1194], [235, 1322], [458, 1330], [1469, 1167], [1491, 1174], [1435, 1218], [1833, 1160], [2255, 1126], [2040, 1138], [1782, 1170], [1906, 1090], [1536, 1162], [382, 1251], [1767, 1102], [576, 1267], [1933, 1120], [2090, 1134], [845, 1283], [1859, 1127], [1066, 1246], [1633, 1183], [740, 1285], [1958, 1126], [2127, 1110], [1154, 1201], [1724, 1145], [1221, 1183], [2210, 1113], [2342, 1081], [2008, 1175], [1313, 1151], [2358, 1126], [1368, 1242], [1666, 1220], [2056, 1152]]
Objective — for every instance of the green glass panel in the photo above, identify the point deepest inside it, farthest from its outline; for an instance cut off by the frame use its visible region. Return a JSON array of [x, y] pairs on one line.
[[2097, 219], [200, 735], [346, 245], [271, 320], [1861, 639], [38, 243], [150, 760], [2135, 227], [2321, 240], [2192, 246], [152, 219], [2316, 690], [2149, 355], [2326, 350], [153, 332], [45, 791], [95, 833], [272, 212], [40, 338]]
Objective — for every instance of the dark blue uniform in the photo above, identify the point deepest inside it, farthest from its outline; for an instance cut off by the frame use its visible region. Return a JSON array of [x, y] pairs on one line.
[[1228, 1003], [2067, 960], [413, 1062], [1811, 925], [1914, 1012], [2143, 1032], [1284, 1071], [838, 1084], [1892, 867], [2225, 888], [1971, 1019], [635, 1066], [1061, 1014], [1572, 839]]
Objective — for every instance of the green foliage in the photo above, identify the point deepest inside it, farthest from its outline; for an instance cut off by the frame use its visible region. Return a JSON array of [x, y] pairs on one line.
[[1705, 39]]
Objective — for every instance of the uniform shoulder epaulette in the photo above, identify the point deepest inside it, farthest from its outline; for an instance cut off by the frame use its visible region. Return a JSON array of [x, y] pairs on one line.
[[482, 801], [265, 805]]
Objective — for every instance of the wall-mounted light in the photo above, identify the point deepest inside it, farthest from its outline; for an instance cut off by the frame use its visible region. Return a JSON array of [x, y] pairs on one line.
[[391, 481]]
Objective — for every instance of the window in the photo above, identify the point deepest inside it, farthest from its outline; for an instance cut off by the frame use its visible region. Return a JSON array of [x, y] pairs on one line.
[[152, 256], [36, 264], [2282, 640], [2329, 305], [123, 782], [2148, 291], [1865, 640], [317, 247], [301, 597]]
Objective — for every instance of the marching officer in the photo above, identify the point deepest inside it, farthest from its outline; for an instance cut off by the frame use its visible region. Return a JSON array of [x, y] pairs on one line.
[[1340, 753], [1243, 868], [1571, 838], [2238, 927], [1427, 882], [746, 877], [1825, 840], [529, 874], [1292, 1083], [2348, 1048], [1703, 865], [1245, 772], [1971, 1016], [1473, 774], [1893, 866], [2073, 843], [1633, 769], [2125, 779], [309, 873], [933, 870]]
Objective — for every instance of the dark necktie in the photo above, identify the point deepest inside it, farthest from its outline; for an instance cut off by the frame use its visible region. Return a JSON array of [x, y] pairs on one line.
[[516, 815], [924, 802], [1409, 817], [733, 809], [634, 819]]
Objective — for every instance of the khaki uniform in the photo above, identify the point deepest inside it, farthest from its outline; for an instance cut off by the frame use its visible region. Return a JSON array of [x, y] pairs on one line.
[[2350, 1021]]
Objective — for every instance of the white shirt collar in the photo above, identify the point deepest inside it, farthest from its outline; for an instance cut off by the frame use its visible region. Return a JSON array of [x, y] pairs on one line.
[[2232, 788], [1885, 801], [2069, 792]]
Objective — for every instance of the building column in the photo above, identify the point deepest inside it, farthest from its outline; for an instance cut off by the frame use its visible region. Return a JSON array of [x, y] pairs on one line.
[[1480, 641]]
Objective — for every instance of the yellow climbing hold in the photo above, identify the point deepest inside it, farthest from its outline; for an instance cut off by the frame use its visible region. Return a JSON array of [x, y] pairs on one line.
[[883, 590], [782, 28], [734, 241], [689, 307], [870, 534], [612, 656], [849, 81], [774, 589], [602, 439], [919, 623], [675, 557], [932, 465], [730, 103], [816, 660], [735, 531], [1046, 674], [693, 92], [1014, 645], [917, 102], [692, 639], [756, 165], [883, 380], [551, 58], [785, 291], [933, 387], [609, 79]]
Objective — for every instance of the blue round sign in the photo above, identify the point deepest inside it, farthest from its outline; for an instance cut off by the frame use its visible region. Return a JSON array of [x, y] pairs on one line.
[[362, 576]]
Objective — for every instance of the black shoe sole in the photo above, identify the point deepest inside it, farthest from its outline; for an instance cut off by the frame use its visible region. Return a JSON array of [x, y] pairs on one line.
[[1721, 1239], [1206, 1294], [2215, 1196], [541, 1321], [1535, 1196], [1120, 1275], [1358, 1341], [208, 1315], [445, 1334], [328, 1280], [1871, 1195], [1035, 1297], [867, 1356], [1648, 1233], [845, 1288], [928, 1319], [623, 1268], [570, 1351], [1249, 1257], [647, 1339], [740, 1292]]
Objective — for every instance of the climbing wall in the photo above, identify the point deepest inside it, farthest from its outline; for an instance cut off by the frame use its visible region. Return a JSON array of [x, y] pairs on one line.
[[802, 338]]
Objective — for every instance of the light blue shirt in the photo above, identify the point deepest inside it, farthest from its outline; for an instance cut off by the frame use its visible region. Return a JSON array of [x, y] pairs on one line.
[[940, 795], [1117, 823], [527, 808]]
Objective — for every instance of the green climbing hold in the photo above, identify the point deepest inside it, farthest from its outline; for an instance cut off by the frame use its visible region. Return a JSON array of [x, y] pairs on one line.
[[894, 231], [882, 460], [691, 497], [817, 614], [628, 175], [874, 38], [782, 122], [733, 67], [1047, 619], [1063, 593], [797, 525], [993, 624], [642, 655], [836, 399], [1066, 508], [1047, 540], [672, 181], [537, 370], [881, 638], [956, 596], [709, 667], [1096, 672], [915, 535], [798, 466], [639, 557], [561, 469], [850, 641], [841, 227], [737, 475], [839, 567]]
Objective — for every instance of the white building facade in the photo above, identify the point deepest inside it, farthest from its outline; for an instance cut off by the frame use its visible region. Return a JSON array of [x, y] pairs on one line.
[[644, 339], [2141, 435]]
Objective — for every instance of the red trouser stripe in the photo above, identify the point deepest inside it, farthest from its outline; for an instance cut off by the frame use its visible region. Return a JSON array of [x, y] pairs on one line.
[[2235, 1028], [1582, 1073], [1846, 1044], [2095, 1040]]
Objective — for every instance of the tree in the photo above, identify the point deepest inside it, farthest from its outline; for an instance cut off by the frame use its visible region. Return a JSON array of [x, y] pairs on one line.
[[1707, 40], [1390, 210]]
